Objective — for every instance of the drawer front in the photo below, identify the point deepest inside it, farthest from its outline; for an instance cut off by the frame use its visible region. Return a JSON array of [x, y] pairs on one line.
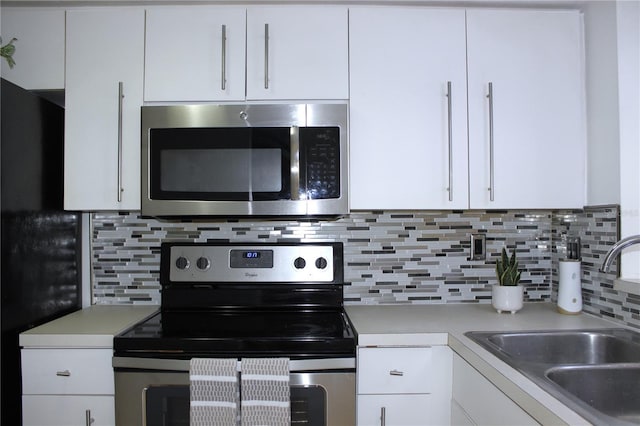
[[395, 370], [67, 371]]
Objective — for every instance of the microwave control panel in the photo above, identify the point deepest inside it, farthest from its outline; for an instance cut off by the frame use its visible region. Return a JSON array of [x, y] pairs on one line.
[[322, 159]]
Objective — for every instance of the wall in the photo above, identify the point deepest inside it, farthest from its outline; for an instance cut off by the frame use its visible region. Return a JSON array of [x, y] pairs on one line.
[[390, 257], [597, 228]]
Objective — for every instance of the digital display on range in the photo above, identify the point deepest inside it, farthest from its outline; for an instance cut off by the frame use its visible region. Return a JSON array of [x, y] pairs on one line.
[[251, 259]]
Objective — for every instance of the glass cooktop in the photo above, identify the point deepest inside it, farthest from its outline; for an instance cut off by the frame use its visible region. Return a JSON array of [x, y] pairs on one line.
[[186, 334]]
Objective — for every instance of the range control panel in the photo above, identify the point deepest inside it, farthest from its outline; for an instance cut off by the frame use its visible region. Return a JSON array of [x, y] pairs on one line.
[[282, 263]]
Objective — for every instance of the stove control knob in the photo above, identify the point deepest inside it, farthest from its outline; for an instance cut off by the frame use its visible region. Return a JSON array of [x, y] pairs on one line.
[[203, 263], [321, 263], [182, 263], [299, 263]]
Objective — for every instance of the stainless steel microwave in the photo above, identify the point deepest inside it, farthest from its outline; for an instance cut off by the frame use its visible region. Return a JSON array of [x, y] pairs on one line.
[[244, 160]]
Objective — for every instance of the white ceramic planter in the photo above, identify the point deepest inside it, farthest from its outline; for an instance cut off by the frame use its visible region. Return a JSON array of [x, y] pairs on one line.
[[507, 298]]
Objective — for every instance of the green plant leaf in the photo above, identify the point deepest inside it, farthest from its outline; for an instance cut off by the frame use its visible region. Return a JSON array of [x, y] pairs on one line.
[[507, 269], [7, 52]]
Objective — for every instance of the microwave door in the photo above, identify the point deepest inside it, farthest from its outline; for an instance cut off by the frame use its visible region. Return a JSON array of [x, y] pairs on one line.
[[221, 164]]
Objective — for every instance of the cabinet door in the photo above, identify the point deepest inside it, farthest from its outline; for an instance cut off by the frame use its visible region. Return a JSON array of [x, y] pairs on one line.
[[476, 400], [533, 62], [54, 410], [39, 54], [195, 54], [297, 52], [408, 148], [401, 410], [105, 50]]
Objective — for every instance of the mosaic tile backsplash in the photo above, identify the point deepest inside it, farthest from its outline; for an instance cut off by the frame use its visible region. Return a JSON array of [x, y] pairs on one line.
[[391, 257]]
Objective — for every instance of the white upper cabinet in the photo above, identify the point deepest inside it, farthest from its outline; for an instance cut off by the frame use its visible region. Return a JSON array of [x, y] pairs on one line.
[[525, 146], [527, 142], [104, 75], [408, 137], [39, 54], [198, 53], [195, 53], [297, 52]]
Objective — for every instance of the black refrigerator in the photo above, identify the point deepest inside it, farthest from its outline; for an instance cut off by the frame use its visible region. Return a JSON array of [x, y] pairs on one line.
[[41, 257]]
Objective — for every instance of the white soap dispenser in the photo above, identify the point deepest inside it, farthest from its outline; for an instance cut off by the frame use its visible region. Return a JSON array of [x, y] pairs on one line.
[[570, 277]]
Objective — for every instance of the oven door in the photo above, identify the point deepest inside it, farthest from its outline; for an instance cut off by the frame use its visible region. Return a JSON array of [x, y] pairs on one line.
[[323, 392]]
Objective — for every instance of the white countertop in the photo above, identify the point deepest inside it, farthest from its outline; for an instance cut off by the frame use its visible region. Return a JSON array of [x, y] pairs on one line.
[[438, 324], [446, 324], [92, 327]]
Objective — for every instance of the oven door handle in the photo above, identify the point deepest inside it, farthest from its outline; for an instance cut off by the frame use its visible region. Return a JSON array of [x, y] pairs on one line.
[[324, 364]]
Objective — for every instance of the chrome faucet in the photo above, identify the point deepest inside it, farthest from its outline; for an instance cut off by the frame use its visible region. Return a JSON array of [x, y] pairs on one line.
[[616, 249]]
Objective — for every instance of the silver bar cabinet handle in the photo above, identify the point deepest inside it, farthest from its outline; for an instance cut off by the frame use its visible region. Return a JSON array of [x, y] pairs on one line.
[[383, 415], [65, 373], [223, 73], [491, 158], [450, 136], [295, 163], [396, 373], [88, 419], [120, 104], [266, 56]]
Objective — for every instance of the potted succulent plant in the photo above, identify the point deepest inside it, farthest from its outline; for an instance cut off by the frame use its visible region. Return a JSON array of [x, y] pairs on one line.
[[508, 294]]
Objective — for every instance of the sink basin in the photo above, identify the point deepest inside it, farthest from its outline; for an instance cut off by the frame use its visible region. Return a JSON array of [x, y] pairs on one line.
[[595, 372], [571, 347], [610, 389]]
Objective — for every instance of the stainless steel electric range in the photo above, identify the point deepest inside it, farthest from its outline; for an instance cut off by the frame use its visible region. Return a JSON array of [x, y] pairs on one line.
[[235, 300]]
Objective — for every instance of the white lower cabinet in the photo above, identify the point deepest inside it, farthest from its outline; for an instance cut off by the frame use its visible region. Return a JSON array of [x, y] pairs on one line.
[[67, 387], [43, 410], [395, 410], [404, 385], [476, 401]]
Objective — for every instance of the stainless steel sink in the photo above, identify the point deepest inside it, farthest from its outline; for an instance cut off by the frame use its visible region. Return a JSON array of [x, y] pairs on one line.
[[610, 389], [595, 372], [568, 347]]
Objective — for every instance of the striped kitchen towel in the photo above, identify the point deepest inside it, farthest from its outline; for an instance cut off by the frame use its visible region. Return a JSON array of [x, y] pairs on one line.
[[213, 392], [265, 392]]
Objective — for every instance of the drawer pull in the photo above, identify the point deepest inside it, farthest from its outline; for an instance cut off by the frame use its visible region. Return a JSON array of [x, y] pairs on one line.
[[65, 373], [396, 373]]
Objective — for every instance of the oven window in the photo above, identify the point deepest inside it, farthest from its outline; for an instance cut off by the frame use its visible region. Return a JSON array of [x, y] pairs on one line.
[[169, 405], [220, 164], [308, 405]]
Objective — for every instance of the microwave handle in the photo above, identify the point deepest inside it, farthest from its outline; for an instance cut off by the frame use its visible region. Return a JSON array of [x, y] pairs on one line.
[[295, 163]]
